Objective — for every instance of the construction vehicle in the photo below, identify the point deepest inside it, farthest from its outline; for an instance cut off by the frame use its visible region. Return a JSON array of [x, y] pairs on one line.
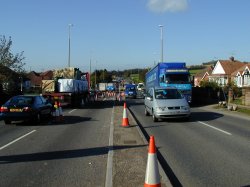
[[69, 85]]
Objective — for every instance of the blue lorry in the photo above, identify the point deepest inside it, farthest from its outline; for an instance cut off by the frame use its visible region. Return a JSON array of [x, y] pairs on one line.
[[174, 74]]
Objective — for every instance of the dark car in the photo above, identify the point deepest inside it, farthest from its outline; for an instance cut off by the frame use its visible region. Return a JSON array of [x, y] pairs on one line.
[[26, 108], [130, 91]]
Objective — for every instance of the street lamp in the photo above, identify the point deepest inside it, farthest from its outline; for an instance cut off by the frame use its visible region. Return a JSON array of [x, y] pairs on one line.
[[70, 25], [95, 74], [21, 84], [161, 27]]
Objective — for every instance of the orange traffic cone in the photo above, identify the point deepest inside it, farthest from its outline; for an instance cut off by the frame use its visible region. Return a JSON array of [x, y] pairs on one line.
[[56, 112], [152, 178], [125, 122]]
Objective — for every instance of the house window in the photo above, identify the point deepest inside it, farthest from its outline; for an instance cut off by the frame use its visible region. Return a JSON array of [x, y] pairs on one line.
[[238, 82], [246, 79]]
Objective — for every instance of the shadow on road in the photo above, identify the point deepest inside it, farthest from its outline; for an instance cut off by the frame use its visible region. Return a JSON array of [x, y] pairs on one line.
[[65, 154]]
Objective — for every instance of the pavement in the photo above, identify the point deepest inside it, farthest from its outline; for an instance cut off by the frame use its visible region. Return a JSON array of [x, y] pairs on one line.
[[130, 152], [225, 111]]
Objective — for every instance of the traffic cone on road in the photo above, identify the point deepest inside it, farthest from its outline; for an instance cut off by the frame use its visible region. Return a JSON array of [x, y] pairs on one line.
[[56, 106], [125, 122], [152, 178]]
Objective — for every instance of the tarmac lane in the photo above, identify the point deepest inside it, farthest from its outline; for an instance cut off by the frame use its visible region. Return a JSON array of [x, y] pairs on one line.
[[89, 148]]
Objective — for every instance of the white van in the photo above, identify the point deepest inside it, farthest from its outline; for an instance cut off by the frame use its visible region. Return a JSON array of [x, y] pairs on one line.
[[140, 86], [166, 103]]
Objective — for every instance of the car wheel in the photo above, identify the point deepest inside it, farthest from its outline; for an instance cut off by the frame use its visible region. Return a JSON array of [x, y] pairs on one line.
[[37, 118], [155, 119], [186, 119], [146, 112], [7, 122]]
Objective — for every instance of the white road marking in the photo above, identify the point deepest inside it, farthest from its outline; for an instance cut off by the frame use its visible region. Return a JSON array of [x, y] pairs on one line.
[[215, 128], [17, 139], [109, 179], [72, 111]]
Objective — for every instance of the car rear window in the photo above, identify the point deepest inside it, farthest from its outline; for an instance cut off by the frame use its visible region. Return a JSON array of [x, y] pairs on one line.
[[21, 100]]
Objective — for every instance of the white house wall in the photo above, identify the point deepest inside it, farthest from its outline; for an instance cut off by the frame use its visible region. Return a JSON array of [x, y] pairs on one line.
[[218, 69], [246, 77]]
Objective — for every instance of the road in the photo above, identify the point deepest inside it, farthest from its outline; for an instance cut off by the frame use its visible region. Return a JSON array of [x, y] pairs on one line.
[[73, 153], [211, 149]]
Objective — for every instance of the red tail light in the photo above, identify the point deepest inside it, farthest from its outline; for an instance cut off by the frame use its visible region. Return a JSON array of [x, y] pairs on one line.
[[4, 109]]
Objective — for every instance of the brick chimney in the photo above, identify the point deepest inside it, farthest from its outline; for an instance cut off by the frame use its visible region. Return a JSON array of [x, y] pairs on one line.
[[231, 58]]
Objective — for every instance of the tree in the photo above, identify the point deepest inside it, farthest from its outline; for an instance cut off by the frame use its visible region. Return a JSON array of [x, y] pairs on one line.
[[7, 58]]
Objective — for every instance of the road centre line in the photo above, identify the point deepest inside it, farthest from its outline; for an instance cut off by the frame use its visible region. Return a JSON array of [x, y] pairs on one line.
[[72, 111], [17, 139], [215, 128]]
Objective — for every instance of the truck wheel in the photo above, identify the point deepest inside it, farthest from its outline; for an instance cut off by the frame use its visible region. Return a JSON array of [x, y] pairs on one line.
[[155, 119]]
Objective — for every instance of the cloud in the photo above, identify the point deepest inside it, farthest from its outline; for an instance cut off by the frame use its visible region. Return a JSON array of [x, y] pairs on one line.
[[162, 6]]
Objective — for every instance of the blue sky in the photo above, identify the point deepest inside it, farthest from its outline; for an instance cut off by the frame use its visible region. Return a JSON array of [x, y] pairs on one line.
[[124, 34]]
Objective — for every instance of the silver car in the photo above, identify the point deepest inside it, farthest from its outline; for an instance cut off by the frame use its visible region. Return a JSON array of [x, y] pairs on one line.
[[166, 103]]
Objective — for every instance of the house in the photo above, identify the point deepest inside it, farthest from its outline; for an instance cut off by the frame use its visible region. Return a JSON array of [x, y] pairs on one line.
[[223, 69], [202, 76], [36, 78], [241, 76]]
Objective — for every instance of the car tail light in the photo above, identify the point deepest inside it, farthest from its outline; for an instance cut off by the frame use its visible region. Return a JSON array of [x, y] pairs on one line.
[[4, 109], [27, 109]]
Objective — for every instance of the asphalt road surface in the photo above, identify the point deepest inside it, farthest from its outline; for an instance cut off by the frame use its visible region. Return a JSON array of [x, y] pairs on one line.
[[72, 153], [211, 149]]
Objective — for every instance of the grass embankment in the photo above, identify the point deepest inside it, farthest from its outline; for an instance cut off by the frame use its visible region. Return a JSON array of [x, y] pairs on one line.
[[237, 101]]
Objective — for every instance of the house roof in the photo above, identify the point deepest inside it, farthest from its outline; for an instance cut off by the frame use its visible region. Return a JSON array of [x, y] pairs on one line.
[[34, 78], [241, 69], [205, 72], [208, 70], [230, 66], [227, 67], [47, 75]]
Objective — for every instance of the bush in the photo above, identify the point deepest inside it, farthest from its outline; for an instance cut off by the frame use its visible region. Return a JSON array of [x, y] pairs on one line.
[[207, 84]]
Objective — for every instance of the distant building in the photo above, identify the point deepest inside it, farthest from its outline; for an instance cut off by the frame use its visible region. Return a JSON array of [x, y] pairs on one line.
[[36, 78], [241, 76], [202, 76], [223, 70]]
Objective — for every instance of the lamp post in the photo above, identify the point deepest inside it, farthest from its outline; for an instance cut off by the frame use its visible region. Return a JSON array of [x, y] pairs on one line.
[[90, 73], [70, 25], [95, 74], [21, 84], [161, 28]]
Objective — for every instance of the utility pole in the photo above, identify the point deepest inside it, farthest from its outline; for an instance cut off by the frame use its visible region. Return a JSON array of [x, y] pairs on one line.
[[161, 27], [70, 25]]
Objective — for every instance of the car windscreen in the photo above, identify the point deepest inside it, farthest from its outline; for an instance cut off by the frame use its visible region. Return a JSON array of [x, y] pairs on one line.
[[177, 79], [167, 94], [130, 88]]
